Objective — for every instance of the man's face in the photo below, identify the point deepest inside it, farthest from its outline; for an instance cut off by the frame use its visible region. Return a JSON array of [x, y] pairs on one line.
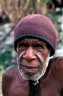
[[32, 58]]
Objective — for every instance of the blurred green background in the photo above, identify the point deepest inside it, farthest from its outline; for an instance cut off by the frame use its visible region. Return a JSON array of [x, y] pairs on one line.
[[12, 10]]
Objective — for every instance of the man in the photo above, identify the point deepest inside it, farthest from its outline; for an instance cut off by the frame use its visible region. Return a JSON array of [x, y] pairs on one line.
[[35, 40]]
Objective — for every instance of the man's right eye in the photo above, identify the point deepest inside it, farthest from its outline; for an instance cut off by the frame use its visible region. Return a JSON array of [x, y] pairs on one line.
[[22, 45]]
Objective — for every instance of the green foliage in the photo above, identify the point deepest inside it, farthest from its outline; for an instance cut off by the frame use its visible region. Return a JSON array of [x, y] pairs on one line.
[[5, 60], [56, 17]]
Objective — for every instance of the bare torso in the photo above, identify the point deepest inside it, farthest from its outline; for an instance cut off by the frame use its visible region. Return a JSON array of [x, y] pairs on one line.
[[14, 85]]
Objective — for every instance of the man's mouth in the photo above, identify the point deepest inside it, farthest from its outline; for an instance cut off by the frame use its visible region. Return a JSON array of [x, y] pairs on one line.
[[30, 69]]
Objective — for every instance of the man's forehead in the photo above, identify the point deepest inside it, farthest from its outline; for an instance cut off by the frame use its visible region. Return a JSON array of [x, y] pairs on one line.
[[31, 41]]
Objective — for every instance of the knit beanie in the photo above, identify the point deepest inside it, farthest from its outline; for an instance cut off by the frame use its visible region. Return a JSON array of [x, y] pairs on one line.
[[39, 27]]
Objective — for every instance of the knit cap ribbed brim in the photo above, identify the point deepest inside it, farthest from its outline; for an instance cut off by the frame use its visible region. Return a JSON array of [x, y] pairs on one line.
[[36, 26]]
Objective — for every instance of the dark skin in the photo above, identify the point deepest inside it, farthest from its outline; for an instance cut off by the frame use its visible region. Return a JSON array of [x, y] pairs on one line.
[[30, 51], [51, 84]]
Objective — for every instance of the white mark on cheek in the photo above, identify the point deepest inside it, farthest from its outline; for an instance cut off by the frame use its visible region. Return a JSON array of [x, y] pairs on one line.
[[40, 57], [21, 54]]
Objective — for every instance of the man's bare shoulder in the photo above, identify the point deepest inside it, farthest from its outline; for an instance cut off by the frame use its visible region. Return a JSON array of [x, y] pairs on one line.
[[10, 71], [57, 67]]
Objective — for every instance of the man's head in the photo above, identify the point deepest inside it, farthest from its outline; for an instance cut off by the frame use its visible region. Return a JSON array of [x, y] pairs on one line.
[[35, 40]]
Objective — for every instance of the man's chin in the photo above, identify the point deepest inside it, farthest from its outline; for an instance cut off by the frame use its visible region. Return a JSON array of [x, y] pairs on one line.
[[29, 75]]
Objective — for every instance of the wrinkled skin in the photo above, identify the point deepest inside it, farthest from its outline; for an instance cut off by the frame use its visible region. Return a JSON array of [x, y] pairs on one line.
[[14, 83], [32, 58]]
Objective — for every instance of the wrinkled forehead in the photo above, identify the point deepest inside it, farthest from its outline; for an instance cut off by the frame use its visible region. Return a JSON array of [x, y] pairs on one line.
[[31, 41]]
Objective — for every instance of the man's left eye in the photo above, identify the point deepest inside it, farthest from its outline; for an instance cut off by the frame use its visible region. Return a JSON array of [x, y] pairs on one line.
[[39, 46]]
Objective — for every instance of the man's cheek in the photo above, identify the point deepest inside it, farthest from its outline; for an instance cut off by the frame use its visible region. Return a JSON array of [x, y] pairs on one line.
[[40, 57], [20, 54], [19, 59]]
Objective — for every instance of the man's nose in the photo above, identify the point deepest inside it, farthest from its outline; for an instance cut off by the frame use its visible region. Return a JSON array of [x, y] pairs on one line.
[[29, 54]]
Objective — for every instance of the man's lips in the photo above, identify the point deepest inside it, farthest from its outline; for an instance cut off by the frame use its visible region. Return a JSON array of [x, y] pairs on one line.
[[30, 69], [28, 66]]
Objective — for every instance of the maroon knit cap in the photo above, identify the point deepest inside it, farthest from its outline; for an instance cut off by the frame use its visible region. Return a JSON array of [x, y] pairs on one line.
[[36, 26]]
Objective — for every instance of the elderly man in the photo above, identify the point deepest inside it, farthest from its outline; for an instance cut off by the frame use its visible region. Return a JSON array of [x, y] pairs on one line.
[[35, 40]]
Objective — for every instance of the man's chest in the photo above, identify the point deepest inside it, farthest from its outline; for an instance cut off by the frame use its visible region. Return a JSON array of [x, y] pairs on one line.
[[51, 89], [22, 89]]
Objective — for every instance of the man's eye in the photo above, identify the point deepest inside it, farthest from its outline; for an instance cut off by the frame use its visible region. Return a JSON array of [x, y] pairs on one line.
[[22, 45], [39, 46]]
